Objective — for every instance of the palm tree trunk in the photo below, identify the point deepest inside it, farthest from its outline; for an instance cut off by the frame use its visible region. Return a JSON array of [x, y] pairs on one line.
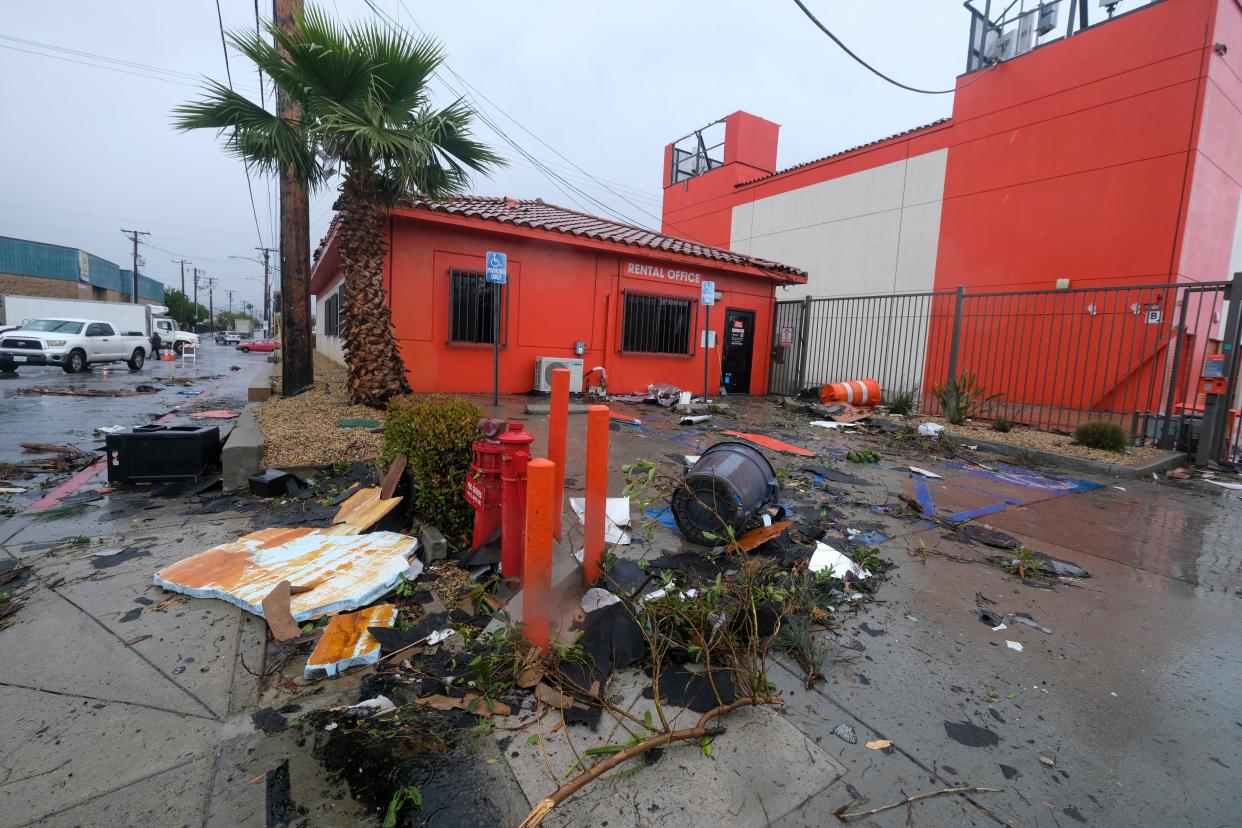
[[376, 371]]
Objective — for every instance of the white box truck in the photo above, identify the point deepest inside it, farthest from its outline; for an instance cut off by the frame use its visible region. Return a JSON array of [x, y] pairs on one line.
[[125, 317]]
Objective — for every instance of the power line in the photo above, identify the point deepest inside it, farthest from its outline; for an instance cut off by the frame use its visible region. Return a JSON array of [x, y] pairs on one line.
[[556, 179], [128, 67], [245, 164], [864, 63]]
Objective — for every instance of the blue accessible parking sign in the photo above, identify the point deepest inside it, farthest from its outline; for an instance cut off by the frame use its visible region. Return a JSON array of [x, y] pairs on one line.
[[497, 267]]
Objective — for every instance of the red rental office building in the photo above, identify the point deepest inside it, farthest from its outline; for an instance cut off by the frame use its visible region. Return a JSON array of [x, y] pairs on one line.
[[581, 289]]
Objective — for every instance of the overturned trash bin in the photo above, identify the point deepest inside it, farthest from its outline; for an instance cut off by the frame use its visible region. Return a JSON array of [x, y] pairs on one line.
[[727, 487]]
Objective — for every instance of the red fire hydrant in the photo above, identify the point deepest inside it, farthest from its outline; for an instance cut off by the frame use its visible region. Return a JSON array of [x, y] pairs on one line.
[[483, 486], [516, 447]]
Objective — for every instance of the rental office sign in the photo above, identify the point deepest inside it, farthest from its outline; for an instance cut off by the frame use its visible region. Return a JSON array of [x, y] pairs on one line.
[[659, 273]]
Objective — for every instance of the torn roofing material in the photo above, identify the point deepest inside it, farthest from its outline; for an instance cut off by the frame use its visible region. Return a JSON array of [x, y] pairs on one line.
[[347, 643], [329, 573], [361, 511]]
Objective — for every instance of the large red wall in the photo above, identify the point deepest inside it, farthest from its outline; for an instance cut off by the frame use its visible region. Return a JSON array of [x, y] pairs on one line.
[[558, 294]]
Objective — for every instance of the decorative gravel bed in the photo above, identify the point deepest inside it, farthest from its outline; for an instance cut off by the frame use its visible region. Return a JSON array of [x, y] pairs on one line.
[[303, 431], [1042, 441]]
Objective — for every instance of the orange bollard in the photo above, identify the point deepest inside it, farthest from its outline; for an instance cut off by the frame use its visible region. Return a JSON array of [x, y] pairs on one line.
[[596, 493], [558, 429], [537, 567]]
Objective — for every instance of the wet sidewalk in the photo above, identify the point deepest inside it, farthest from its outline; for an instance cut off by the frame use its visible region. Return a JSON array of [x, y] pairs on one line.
[[126, 705]]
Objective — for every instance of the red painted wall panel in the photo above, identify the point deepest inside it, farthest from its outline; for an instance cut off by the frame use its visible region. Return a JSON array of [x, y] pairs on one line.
[[557, 294]]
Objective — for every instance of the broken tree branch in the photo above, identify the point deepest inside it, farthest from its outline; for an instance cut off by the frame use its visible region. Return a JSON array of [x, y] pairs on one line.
[[846, 817], [545, 806]]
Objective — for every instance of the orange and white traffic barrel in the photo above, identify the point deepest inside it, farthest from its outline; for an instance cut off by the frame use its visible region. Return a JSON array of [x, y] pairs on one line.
[[853, 392]]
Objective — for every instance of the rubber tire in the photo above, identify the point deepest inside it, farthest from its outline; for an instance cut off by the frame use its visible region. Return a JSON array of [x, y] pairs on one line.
[[137, 360], [8, 367], [244, 350], [77, 362], [177, 346]]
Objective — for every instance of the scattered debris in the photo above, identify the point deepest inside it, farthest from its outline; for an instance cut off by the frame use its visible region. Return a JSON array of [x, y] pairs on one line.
[[471, 703], [925, 473], [771, 443], [392, 478], [216, 414], [269, 720], [617, 518], [1048, 758], [760, 535], [597, 598], [834, 563], [722, 492], [845, 733], [377, 706], [347, 643], [1178, 474], [1023, 618], [879, 744], [1223, 484], [277, 614], [273, 483], [439, 636], [1013, 645], [831, 424], [72, 391], [362, 510], [336, 572], [845, 816], [930, 429], [104, 431], [695, 419]]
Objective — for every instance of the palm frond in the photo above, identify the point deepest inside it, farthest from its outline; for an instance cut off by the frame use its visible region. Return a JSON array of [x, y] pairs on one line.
[[249, 130]]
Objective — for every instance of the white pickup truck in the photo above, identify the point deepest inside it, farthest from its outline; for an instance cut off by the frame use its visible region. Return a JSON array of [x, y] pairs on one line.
[[72, 344]]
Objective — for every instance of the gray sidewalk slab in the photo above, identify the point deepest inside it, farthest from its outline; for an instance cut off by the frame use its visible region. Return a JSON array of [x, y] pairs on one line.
[[759, 770], [62, 751]]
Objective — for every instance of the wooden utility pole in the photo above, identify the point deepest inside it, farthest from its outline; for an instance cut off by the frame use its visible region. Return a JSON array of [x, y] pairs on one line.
[[297, 370], [194, 307], [183, 263], [134, 234], [211, 305], [267, 291]]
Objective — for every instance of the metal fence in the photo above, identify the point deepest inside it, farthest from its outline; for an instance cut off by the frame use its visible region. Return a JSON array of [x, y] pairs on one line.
[[1132, 355]]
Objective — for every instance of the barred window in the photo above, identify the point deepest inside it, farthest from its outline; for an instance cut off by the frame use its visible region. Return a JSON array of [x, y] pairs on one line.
[[471, 305], [656, 324], [332, 315]]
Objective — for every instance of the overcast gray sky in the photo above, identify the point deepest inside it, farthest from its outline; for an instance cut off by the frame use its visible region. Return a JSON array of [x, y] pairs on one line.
[[89, 149]]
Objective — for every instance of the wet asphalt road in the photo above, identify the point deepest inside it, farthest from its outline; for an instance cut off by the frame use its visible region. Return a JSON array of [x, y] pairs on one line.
[[72, 420]]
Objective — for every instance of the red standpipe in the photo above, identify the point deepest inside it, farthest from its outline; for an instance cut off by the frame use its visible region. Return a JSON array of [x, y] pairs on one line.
[[516, 442]]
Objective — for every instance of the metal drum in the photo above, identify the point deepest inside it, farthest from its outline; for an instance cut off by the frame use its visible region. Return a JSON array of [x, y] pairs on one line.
[[727, 487]]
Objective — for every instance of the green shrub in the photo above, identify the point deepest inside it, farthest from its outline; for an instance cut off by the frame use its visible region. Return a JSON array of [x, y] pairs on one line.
[[961, 397], [435, 434], [904, 402], [1107, 436], [1002, 425], [863, 456]]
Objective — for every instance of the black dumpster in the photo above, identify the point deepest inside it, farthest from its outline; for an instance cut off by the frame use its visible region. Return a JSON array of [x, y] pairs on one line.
[[727, 487]]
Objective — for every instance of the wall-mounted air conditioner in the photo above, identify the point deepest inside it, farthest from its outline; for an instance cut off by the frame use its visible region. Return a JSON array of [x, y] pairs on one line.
[[543, 373]]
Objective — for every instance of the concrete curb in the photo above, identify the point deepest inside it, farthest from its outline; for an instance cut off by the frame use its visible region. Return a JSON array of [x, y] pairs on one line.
[[1169, 460], [242, 454], [260, 387]]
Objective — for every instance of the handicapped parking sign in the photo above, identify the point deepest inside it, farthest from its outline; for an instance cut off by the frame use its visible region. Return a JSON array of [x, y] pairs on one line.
[[497, 267]]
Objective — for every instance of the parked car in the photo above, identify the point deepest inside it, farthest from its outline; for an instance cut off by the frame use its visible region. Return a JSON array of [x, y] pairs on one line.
[[228, 337], [258, 345], [72, 344]]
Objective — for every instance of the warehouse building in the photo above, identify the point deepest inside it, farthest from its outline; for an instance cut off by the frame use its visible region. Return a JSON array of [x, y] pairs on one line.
[[1093, 161], [620, 306], [30, 268]]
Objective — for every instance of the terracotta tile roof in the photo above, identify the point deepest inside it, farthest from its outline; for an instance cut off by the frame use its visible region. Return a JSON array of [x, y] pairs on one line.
[[540, 215], [910, 131]]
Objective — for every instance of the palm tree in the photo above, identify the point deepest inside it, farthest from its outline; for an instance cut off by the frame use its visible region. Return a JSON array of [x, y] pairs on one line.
[[366, 116]]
